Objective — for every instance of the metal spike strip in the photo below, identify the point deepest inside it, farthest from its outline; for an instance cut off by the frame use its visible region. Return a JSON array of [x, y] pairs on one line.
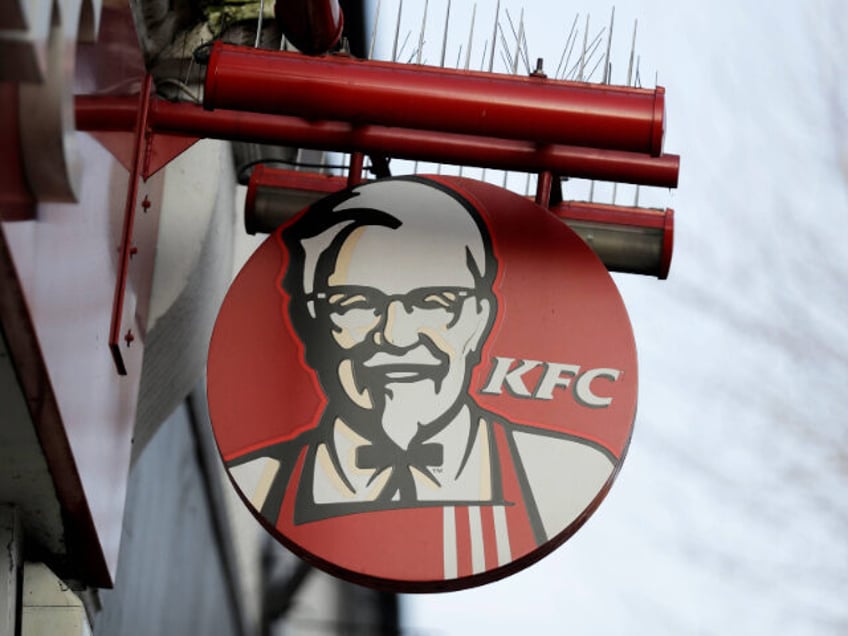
[[511, 55]]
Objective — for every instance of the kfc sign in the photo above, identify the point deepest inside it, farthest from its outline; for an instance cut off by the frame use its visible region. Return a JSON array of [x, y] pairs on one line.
[[423, 383]]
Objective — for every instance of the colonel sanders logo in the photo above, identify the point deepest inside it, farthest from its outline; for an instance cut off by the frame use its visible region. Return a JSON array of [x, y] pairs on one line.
[[393, 455]]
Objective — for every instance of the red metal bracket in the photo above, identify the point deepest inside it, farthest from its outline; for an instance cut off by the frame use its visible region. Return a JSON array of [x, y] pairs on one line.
[[543, 188], [110, 120], [163, 149], [143, 153], [120, 332], [354, 174]]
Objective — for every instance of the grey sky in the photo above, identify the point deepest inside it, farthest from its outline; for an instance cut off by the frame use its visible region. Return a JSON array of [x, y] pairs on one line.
[[731, 512]]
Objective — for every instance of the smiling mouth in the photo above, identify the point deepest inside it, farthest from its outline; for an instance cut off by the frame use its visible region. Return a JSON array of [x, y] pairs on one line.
[[406, 372]]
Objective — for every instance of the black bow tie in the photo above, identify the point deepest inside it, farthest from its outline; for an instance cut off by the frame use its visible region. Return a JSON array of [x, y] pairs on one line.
[[386, 454]]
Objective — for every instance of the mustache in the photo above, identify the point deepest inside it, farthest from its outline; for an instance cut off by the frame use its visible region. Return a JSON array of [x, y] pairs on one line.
[[422, 360], [420, 355]]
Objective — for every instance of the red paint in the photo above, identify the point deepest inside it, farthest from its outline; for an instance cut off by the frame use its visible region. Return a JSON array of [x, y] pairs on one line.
[[346, 545], [364, 92], [463, 541], [266, 177], [96, 113], [118, 318], [487, 519], [521, 534], [163, 149], [543, 188], [354, 175]]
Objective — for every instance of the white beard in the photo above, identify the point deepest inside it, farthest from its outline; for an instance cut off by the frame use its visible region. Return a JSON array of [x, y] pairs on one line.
[[405, 404], [409, 406]]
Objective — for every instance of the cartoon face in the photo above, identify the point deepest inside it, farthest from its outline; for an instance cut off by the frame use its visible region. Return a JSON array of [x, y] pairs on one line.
[[400, 313], [405, 339]]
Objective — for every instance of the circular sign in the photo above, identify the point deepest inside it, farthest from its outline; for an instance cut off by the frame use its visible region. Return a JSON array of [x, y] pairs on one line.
[[423, 383]]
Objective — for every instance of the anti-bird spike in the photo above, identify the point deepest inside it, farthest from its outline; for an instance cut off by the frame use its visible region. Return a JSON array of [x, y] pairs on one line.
[[509, 42], [421, 33], [445, 35], [397, 32], [470, 38], [609, 47], [374, 30]]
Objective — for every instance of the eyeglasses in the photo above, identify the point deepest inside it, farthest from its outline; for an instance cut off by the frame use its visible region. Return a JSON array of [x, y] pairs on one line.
[[349, 300]]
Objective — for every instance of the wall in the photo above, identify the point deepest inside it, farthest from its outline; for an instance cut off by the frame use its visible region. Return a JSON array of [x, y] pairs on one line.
[[174, 572]]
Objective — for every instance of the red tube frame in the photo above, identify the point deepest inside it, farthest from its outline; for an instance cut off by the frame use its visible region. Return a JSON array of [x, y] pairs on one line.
[[265, 177], [602, 214], [103, 113], [363, 92]]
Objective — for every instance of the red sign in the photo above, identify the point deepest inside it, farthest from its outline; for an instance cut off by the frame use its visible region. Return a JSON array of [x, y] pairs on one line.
[[423, 383]]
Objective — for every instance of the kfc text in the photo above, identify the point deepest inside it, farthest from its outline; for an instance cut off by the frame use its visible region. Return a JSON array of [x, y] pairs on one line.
[[512, 376]]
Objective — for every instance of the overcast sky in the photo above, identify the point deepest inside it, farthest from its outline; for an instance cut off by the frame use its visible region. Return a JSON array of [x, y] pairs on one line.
[[730, 515]]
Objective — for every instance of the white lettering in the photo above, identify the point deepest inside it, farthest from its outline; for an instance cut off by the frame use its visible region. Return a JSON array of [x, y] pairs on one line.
[[583, 387], [514, 382], [510, 373], [553, 378]]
